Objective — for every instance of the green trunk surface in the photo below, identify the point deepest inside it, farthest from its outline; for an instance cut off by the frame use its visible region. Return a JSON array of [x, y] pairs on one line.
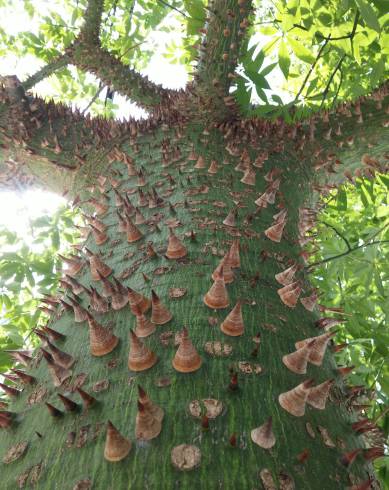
[[60, 456]]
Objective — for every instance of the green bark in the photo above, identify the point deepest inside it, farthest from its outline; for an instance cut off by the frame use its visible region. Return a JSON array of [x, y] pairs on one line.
[[201, 201], [225, 37]]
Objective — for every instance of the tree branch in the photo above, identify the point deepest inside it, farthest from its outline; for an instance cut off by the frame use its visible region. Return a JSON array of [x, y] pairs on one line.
[[338, 66], [224, 36], [353, 138], [120, 77], [339, 234], [87, 54], [90, 31], [311, 69], [47, 144], [46, 71]]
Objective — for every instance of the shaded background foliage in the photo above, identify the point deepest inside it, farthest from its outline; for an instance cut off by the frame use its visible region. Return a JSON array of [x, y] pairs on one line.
[[301, 55]]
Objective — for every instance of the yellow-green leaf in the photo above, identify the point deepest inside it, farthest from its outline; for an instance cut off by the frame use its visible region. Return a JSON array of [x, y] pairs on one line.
[[368, 14], [284, 59], [303, 53]]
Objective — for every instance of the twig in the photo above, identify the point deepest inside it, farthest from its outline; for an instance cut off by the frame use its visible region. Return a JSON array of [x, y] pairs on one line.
[[101, 86], [274, 21], [311, 70], [377, 242], [384, 412], [339, 234], [132, 11], [377, 375], [129, 49], [331, 78], [338, 89], [173, 8]]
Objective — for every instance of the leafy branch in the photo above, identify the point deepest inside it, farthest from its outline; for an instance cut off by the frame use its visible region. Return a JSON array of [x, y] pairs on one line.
[[346, 36], [339, 234], [349, 248], [326, 40]]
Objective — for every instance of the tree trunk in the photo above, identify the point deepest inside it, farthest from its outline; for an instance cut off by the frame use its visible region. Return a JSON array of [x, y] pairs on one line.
[[246, 374]]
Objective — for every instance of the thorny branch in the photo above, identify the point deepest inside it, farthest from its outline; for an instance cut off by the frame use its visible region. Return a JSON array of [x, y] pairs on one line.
[[87, 54], [46, 71], [225, 33], [90, 31]]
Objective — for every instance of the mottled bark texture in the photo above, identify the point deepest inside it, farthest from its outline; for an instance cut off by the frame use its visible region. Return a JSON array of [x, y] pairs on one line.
[[167, 198]]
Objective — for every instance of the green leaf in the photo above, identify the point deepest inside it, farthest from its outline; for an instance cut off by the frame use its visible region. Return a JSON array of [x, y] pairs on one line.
[[242, 95], [378, 283], [341, 201], [368, 14], [277, 99], [270, 46], [301, 51], [284, 59], [378, 70], [261, 94], [268, 30], [258, 80], [268, 69], [255, 64]]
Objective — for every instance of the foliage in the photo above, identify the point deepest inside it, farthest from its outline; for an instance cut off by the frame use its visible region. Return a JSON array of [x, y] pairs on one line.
[[27, 271], [358, 282], [323, 50]]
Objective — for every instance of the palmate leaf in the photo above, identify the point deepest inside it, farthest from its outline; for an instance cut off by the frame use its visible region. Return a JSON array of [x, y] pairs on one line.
[[303, 53], [368, 14], [284, 59]]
